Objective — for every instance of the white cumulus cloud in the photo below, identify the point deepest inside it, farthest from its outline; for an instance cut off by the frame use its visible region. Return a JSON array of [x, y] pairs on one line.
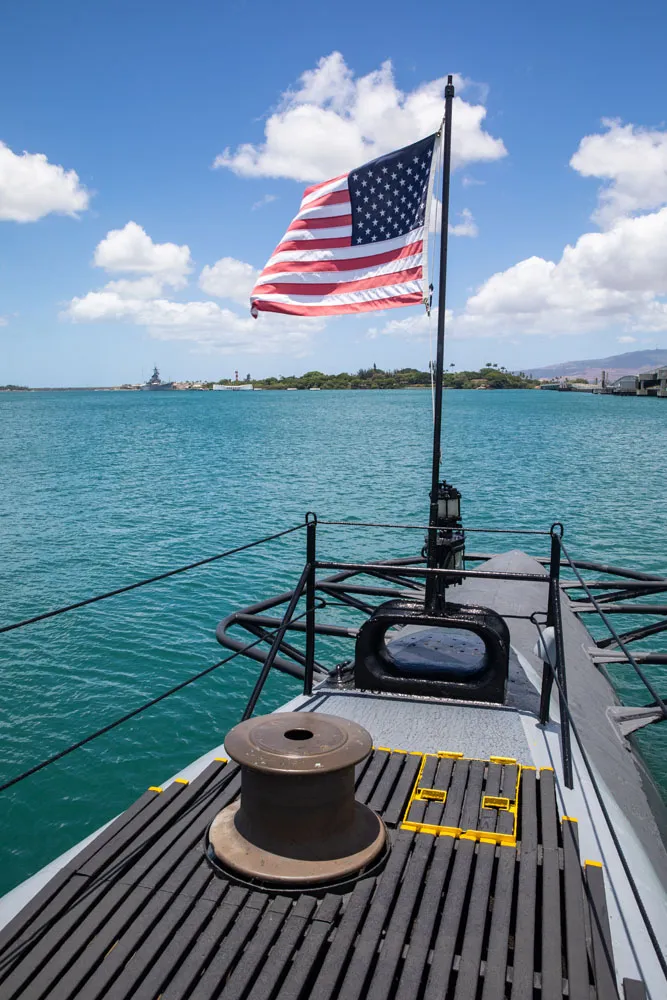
[[132, 251], [229, 279], [632, 161], [334, 121], [31, 187], [467, 226], [142, 300], [204, 323], [614, 278]]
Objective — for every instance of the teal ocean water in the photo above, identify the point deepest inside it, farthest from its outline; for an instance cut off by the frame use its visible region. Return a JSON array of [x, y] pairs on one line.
[[100, 489]]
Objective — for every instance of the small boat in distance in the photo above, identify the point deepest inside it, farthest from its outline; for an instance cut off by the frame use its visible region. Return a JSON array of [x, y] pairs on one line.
[[155, 382]]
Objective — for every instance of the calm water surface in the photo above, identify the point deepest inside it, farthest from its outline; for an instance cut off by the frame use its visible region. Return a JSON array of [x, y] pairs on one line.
[[100, 489]]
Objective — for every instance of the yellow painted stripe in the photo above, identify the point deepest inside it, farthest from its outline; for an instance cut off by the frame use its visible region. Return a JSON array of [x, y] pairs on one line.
[[595, 864], [181, 781], [155, 788], [569, 819]]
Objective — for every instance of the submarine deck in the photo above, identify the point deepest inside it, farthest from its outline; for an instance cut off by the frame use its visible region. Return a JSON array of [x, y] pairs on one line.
[[483, 895]]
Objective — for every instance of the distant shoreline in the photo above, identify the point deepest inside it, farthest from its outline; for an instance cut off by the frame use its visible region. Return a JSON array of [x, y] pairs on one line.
[[491, 376]]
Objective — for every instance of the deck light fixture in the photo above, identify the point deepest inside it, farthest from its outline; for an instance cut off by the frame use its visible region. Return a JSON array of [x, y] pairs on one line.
[[449, 504]]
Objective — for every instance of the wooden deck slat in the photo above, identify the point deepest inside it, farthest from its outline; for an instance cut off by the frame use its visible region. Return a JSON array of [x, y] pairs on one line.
[[467, 980], [398, 929], [551, 945], [452, 913], [72, 949], [30, 935], [441, 780], [200, 954], [372, 775], [508, 781], [488, 817], [524, 934], [334, 964], [473, 796], [390, 776], [387, 887], [495, 972], [575, 936], [271, 970], [150, 956], [256, 954], [418, 808], [180, 832], [49, 938], [454, 801], [228, 950], [119, 953], [91, 950], [395, 808], [135, 833], [427, 913], [33, 908], [308, 953]]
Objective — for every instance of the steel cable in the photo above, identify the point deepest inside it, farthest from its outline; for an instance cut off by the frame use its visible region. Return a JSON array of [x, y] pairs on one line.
[[150, 579], [135, 711]]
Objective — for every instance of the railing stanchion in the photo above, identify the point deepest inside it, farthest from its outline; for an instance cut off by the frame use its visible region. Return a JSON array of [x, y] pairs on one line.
[[311, 555], [554, 583], [275, 645], [556, 618]]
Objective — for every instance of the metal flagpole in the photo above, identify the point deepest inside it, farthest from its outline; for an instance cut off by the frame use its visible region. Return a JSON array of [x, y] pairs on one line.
[[431, 582]]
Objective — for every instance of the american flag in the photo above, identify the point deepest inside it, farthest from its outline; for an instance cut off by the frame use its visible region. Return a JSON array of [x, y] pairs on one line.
[[359, 241]]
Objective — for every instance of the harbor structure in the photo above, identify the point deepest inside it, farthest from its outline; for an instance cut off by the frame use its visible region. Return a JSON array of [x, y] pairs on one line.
[[235, 386], [653, 383]]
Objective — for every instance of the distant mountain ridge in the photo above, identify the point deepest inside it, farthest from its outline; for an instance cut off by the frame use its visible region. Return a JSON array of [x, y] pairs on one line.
[[616, 365]]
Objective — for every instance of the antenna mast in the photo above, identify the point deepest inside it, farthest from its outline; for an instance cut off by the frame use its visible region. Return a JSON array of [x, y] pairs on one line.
[[431, 582]]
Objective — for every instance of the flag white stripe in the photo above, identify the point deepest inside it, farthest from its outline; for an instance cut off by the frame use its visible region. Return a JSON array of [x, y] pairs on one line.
[[336, 232], [325, 211], [345, 298], [345, 253], [337, 184], [336, 277]]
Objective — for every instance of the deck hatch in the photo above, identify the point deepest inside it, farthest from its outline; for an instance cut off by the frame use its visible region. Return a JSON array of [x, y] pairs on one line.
[[455, 796], [139, 912]]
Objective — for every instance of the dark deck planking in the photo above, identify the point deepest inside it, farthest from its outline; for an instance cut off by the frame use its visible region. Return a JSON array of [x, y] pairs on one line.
[[139, 914]]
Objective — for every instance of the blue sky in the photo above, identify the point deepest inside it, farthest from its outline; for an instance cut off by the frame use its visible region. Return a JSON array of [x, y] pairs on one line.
[[139, 100]]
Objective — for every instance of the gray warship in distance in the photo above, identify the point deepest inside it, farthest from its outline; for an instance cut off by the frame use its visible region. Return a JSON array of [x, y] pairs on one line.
[[155, 382], [452, 806]]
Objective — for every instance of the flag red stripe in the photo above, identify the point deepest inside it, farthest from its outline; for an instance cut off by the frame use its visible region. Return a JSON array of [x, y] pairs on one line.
[[297, 288], [410, 299], [322, 222], [333, 198], [344, 264], [338, 241], [316, 187]]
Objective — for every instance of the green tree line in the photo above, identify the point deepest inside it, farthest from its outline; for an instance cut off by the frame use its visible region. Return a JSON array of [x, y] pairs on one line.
[[490, 377]]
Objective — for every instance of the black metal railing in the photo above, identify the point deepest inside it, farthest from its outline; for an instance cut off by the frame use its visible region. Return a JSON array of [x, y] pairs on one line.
[[403, 577]]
